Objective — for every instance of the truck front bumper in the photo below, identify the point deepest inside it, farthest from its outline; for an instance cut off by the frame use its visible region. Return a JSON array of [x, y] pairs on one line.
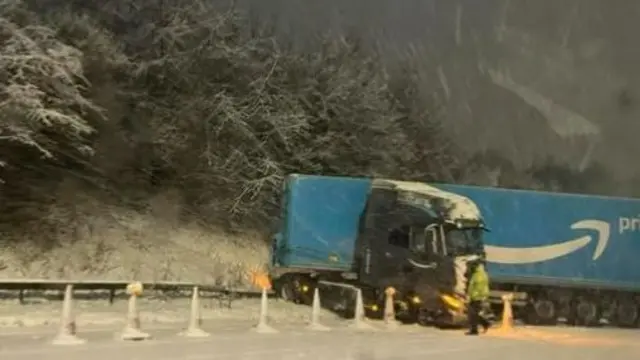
[[442, 310], [454, 310]]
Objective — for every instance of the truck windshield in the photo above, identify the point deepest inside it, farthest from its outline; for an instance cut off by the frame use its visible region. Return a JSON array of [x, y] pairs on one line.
[[465, 241]]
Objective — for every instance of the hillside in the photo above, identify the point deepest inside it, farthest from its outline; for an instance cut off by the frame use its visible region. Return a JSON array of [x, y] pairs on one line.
[[149, 139]]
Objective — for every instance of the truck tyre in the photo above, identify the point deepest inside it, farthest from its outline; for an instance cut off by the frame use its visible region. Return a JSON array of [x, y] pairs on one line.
[[287, 293], [626, 314], [285, 289], [586, 312], [542, 312]]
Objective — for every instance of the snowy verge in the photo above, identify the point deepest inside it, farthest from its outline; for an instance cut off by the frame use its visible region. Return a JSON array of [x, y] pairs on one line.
[[114, 243]]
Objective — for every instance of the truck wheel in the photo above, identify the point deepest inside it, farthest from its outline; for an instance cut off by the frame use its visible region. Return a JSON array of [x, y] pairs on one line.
[[285, 289], [543, 312], [626, 314], [287, 293], [586, 312]]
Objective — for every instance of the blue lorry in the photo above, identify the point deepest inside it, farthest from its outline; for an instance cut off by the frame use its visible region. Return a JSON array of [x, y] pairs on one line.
[[568, 257]]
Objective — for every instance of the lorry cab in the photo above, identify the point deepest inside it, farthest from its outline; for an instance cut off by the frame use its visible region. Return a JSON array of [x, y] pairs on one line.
[[419, 240]]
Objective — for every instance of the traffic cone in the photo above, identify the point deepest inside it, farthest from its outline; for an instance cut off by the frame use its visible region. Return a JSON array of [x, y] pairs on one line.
[[359, 318], [67, 333], [195, 318], [507, 313], [390, 321], [132, 330], [315, 324], [262, 327]]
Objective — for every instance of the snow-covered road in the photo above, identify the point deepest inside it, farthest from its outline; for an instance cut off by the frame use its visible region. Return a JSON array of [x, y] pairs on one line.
[[27, 332], [236, 341]]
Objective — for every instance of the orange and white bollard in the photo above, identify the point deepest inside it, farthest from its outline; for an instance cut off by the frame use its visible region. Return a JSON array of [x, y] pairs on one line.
[[132, 330], [263, 327], [390, 321], [316, 307], [195, 318], [507, 312], [67, 333], [261, 280], [359, 318]]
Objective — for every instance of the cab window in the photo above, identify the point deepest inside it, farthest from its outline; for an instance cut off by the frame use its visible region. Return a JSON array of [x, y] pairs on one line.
[[399, 237], [419, 241]]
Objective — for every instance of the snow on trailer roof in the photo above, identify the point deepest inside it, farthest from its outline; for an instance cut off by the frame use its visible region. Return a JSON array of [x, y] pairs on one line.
[[458, 207]]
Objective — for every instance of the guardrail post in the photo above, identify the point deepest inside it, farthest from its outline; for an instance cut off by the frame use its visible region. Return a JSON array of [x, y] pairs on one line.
[[67, 333], [132, 330], [195, 318], [316, 307]]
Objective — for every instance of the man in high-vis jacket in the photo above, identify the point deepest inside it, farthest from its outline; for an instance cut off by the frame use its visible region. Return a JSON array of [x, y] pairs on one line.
[[477, 294]]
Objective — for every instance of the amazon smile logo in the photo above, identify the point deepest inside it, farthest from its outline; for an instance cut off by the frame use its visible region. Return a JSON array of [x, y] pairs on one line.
[[528, 255]]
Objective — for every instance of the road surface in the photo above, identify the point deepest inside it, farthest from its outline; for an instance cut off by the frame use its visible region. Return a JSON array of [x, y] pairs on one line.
[[237, 341]]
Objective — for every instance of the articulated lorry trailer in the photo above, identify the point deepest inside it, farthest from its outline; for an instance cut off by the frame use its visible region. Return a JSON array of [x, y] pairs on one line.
[[566, 257]]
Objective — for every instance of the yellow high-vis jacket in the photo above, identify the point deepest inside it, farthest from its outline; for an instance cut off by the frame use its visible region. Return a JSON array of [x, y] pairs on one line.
[[478, 289]]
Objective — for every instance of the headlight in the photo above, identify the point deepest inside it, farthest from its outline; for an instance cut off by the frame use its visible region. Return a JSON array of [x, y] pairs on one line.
[[452, 302]]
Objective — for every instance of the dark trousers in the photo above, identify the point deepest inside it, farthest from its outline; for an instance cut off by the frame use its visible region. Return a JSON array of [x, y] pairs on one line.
[[475, 318]]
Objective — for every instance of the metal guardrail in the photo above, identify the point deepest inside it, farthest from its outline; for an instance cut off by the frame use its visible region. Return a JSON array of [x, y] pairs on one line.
[[22, 285]]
